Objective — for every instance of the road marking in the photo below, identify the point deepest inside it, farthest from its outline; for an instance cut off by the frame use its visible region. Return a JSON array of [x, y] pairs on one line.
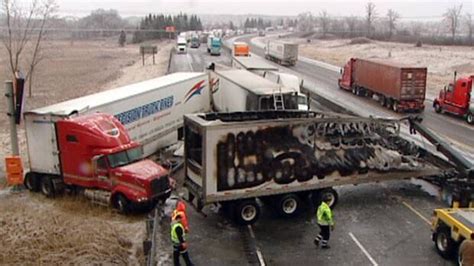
[[188, 55], [416, 212], [363, 249], [259, 253]]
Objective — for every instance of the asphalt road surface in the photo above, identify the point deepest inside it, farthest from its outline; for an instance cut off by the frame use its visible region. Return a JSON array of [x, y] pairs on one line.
[[376, 224]]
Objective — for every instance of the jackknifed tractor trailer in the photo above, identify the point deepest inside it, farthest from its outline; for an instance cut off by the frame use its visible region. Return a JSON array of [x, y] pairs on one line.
[[283, 158], [97, 143]]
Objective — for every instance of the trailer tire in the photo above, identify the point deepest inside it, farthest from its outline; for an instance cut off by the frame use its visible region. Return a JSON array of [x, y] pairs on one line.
[[246, 212], [444, 244], [395, 107], [320, 194], [47, 187], [32, 182], [470, 118], [121, 203], [288, 205], [437, 108]]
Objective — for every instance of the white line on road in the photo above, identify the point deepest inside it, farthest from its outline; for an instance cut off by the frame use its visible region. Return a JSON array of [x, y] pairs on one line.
[[416, 212], [259, 253], [363, 249]]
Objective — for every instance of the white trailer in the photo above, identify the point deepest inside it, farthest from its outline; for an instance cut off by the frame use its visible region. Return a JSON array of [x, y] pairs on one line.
[[151, 111], [283, 157], [290, 81], [283, 53], [252, 64], [240, 90]]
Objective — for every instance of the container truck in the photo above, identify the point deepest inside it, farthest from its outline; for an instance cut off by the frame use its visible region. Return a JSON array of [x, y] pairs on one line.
[[400, 88], [283, 157], [252, 64], [241, 90], [457, 98], [214, 45], [181, 45], [281, 52], [151, 111], [92, 153], [240, 49]]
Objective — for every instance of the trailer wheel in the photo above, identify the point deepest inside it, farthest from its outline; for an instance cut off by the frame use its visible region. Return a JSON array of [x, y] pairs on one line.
[[445, 245], [31, 182], [437, 108], [289, 205], [121, 203], [319, 195], [395, 107], [47, 187], [246, 212], [470, 118]]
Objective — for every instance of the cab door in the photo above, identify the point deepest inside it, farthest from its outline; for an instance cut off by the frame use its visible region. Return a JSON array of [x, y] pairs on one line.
[[102, 173]]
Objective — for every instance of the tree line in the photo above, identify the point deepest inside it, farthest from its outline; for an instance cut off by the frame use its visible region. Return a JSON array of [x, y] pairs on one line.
[[454, 26], [153, 26]]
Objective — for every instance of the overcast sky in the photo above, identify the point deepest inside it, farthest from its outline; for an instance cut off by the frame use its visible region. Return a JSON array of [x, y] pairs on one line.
[[407, 8]]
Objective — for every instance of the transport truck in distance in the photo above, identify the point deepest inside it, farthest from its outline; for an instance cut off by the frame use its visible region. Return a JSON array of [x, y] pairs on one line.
[[240, 49], [214, 45], [400, 88], [457, 98], [151, 111], [195, 42], [284, 157], [181, 45], [240, 90], [92, 153], [281, 52]]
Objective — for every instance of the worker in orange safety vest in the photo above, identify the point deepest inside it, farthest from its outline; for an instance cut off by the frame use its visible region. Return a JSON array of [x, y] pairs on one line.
[[181, 210]]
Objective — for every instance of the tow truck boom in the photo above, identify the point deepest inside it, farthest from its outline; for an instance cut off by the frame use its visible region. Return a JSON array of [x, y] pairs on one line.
[[464, 167]]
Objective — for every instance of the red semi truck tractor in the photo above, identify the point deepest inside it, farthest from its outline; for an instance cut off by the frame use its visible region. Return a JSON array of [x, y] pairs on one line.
[[396, 87], [94, 154], [457, 99]]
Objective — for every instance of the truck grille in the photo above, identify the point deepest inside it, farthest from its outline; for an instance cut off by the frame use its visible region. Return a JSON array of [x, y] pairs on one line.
[[160, 186]]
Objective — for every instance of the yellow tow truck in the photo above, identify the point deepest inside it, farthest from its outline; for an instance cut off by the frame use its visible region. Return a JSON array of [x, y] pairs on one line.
[[453, 225], [450, 227]]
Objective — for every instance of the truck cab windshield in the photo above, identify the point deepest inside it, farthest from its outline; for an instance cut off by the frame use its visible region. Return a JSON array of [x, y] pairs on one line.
[[125, 157]]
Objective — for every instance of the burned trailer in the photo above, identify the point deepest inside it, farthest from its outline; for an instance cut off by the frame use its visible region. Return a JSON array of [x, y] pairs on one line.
[[283, 157]]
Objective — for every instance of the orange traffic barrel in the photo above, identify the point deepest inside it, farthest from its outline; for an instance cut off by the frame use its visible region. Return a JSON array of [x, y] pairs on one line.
[[14, 169]]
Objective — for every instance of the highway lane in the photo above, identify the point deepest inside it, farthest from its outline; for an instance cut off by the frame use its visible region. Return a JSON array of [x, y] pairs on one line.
[[325, 83]]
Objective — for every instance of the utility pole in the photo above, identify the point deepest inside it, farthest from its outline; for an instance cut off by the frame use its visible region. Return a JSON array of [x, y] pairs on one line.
[[11, 114]]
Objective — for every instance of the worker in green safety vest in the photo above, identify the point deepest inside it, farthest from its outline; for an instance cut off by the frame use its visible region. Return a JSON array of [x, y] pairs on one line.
[[178, 238], [325, 222]]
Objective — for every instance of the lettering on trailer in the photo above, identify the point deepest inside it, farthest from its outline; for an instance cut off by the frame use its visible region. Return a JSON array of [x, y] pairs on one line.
[[143, 111], [195, 90], [248, 159]]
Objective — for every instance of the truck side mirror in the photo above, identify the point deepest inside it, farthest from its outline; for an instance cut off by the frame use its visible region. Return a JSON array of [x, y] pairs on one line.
[[95, 159]]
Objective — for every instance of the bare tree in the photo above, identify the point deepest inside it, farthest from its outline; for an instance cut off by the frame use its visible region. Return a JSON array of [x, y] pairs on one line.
[[392, 17], [452, 16], [25, 29], [305, 22], [470, 26], [324, 22], [370, 16], [351, 25]]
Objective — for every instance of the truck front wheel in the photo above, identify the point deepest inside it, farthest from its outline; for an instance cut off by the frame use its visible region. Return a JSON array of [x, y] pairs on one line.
[[470, 118], [47, 187], [31, 182], [121, 203], [445, 245], [246, 212], [437, 108]]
